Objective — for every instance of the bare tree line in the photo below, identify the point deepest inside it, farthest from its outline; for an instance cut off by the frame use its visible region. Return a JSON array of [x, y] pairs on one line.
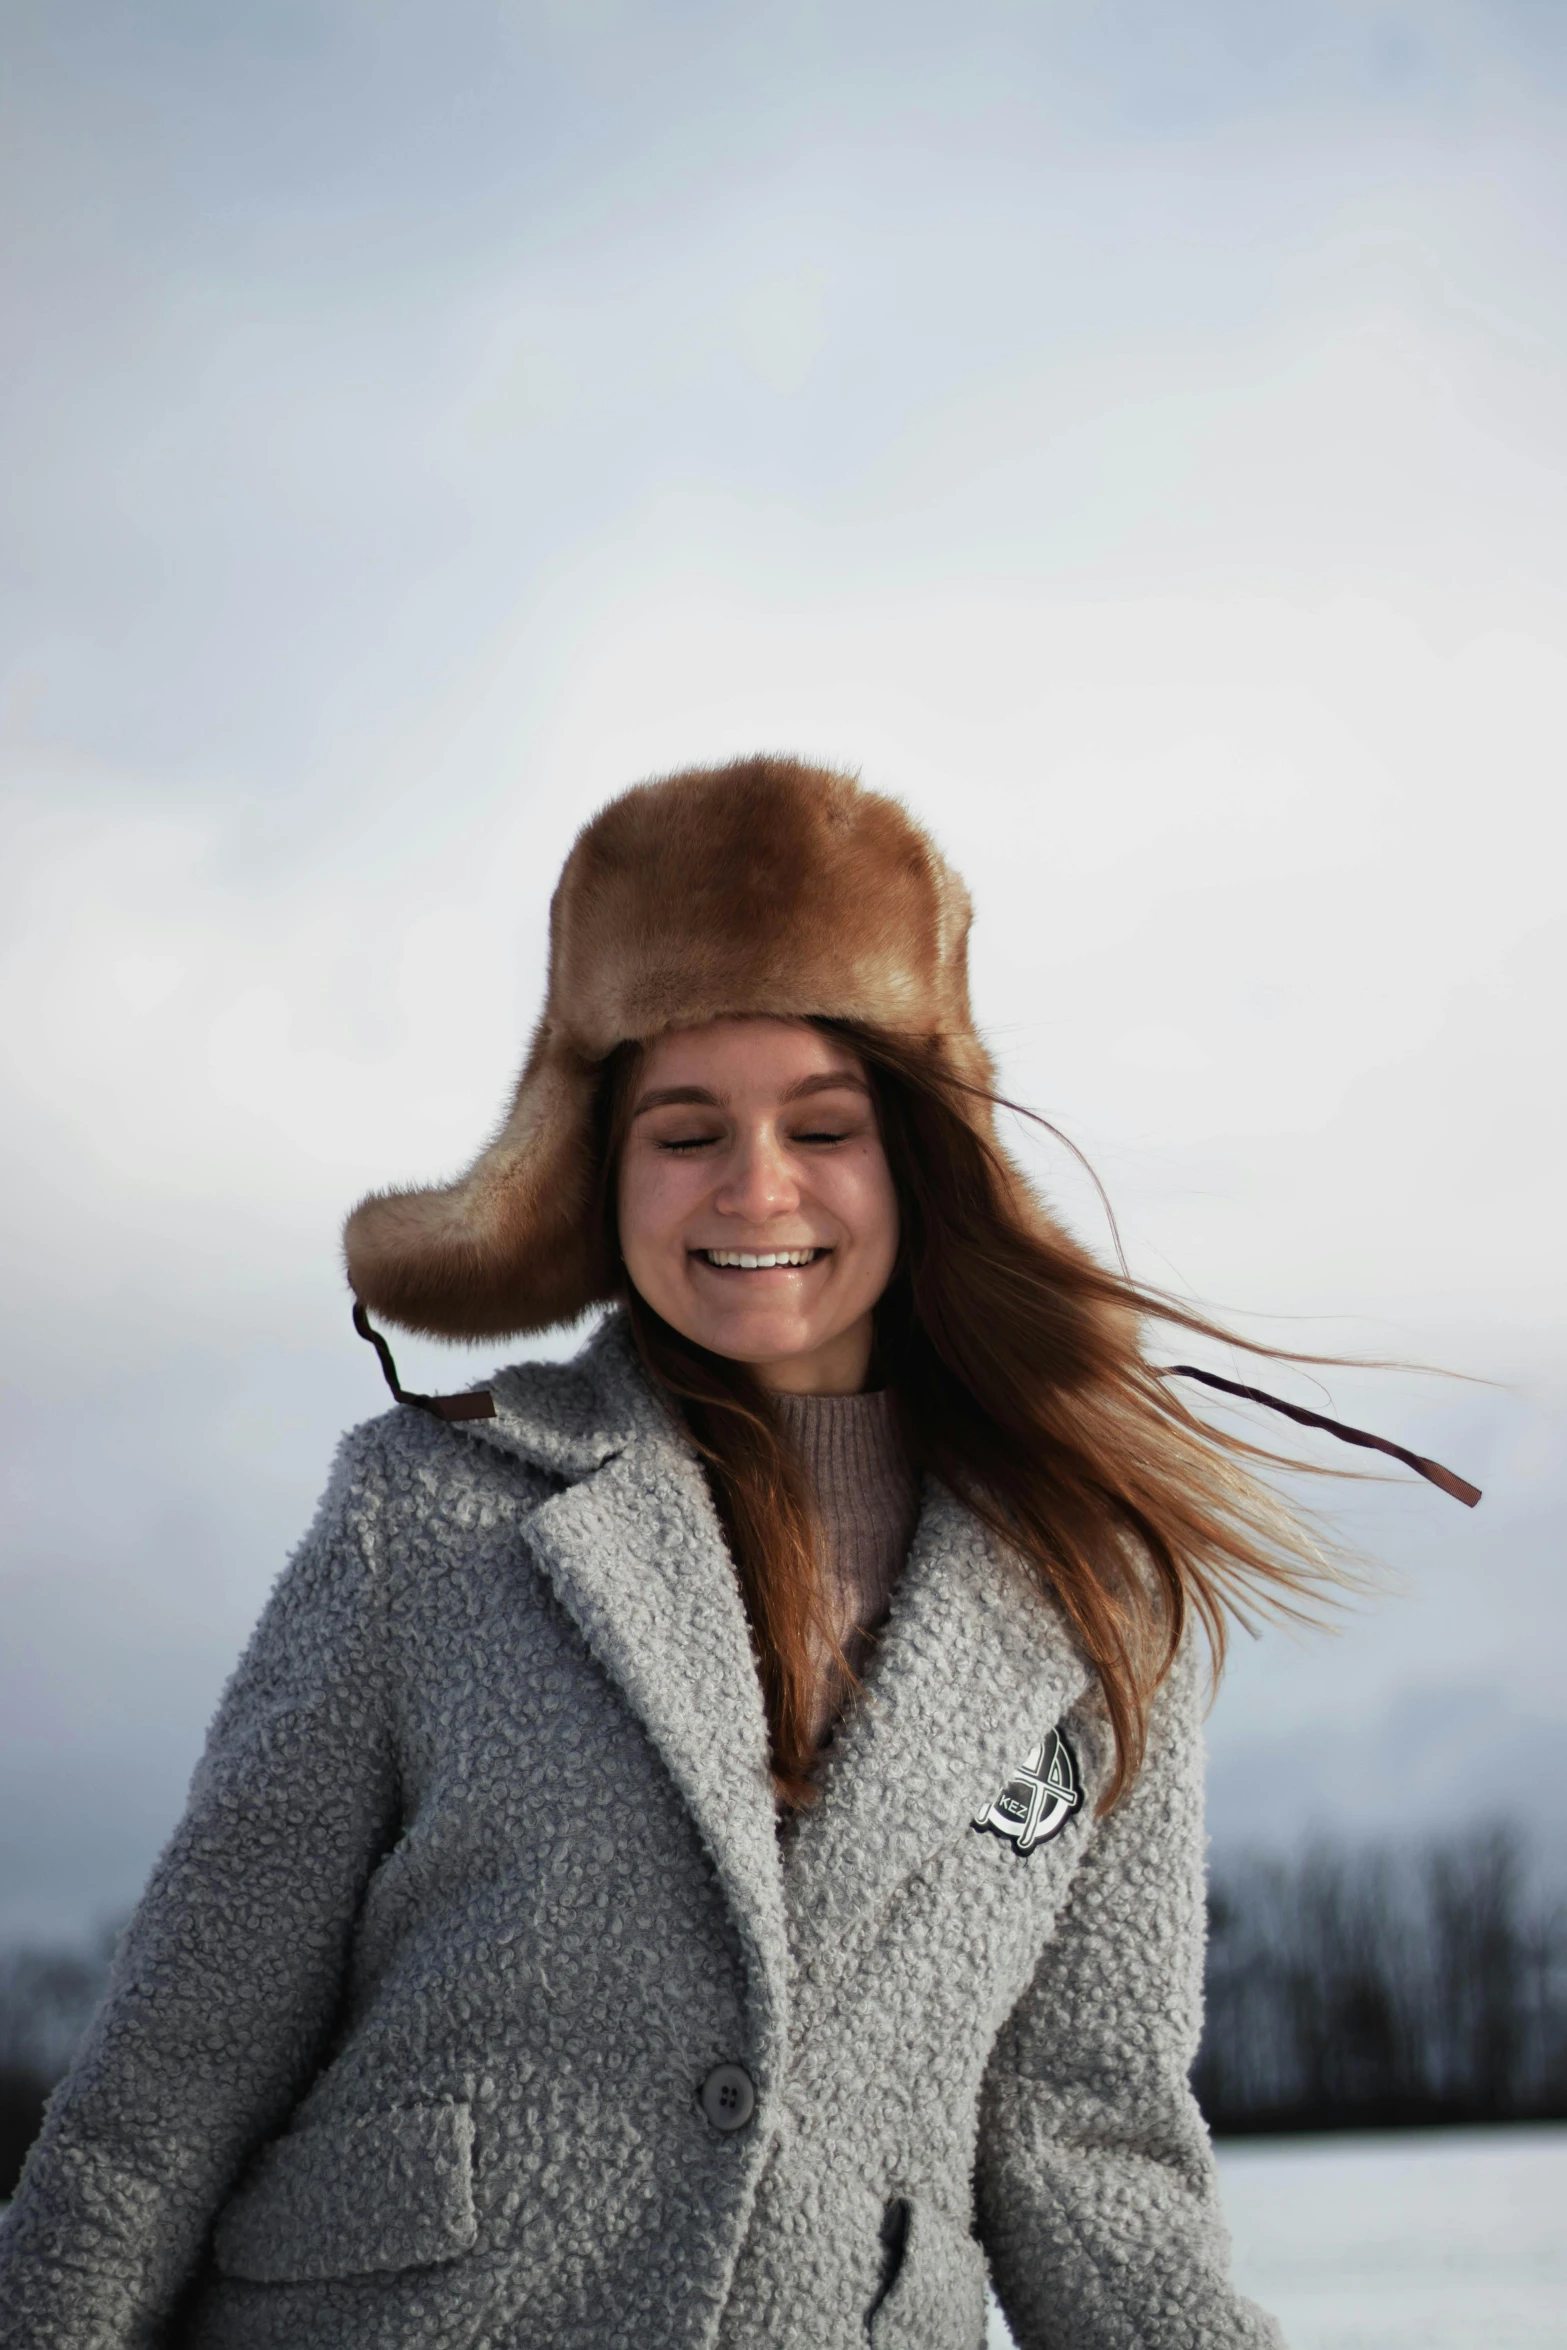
[[1347, 1988], [47, 1998], [1374, 1986]]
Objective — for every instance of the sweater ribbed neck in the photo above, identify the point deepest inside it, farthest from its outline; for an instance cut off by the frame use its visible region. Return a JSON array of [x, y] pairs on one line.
[[867, 1500]]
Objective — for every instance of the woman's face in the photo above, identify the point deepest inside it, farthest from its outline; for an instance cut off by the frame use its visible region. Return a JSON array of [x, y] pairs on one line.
[[757, 1211]]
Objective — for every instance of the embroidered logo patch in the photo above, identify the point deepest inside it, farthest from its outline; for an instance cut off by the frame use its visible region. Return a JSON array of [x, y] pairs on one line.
[[1038, 1799]]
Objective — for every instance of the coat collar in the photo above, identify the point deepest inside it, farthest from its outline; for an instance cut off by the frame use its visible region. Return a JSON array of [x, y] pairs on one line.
[[570, 1418], [634, 1552]]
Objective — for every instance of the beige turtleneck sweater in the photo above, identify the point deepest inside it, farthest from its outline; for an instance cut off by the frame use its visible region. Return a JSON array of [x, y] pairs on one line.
[[868, 1499]]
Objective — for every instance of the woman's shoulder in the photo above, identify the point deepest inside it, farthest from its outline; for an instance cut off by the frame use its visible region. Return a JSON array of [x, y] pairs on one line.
[[549, 1423]]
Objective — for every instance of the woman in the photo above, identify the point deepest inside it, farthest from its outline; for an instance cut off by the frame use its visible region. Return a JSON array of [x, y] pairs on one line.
[[704, 1846]]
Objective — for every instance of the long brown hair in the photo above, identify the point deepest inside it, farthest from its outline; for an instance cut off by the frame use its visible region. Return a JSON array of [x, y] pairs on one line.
[[1018, 1360]]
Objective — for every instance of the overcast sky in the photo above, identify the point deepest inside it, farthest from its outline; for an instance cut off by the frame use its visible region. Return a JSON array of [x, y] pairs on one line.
[[1134, 435]]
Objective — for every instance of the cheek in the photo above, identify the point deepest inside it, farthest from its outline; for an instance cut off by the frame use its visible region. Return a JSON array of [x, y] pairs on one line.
[[867, 1205], [653, 1201]]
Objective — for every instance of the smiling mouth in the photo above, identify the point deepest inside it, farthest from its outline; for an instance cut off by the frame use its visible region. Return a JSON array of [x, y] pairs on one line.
[[759, 1260]]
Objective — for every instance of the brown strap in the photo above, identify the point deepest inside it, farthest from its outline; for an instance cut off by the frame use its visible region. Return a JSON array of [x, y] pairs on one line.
[[1458, 1487], [477, 1406], [480, 1405]]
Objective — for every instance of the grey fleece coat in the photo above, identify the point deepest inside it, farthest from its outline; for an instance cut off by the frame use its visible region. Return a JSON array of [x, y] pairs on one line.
[[480, 1881]]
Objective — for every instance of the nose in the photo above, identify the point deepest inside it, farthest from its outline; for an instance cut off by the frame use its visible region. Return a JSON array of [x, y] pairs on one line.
[[759, 1182]]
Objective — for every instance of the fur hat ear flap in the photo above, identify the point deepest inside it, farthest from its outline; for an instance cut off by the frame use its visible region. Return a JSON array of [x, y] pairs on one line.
[[766, 887], [512, 1246]]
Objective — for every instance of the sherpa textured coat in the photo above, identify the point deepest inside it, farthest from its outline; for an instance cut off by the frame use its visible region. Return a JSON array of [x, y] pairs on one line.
[[480, 1880]]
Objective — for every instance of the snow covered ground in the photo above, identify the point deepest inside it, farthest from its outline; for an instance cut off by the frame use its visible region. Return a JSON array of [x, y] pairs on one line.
[[1430, 2240]]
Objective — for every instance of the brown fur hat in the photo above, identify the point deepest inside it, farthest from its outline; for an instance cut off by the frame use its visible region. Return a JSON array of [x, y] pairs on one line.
[[763, 887]]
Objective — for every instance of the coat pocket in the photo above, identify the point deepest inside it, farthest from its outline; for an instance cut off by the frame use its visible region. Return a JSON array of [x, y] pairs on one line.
[[936, 2297], [354, 2197]]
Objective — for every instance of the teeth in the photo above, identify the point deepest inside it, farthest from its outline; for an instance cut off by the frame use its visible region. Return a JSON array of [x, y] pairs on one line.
[[758, 1261]]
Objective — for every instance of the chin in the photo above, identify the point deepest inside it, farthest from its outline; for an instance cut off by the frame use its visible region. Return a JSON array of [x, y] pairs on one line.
[[752, 1338]]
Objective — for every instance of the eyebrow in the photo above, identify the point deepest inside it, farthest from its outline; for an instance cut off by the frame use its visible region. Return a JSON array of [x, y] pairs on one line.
[[663, 1097]]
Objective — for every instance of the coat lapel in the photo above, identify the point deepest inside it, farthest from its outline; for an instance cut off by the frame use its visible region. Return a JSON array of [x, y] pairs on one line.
[[974, 1667], [634, 1553]]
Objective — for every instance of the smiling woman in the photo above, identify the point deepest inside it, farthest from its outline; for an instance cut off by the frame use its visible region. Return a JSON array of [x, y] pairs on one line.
[[704, 1849], [757, 1213]]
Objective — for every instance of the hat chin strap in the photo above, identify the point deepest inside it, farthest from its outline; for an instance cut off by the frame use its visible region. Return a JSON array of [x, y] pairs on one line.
[[1432, 1471], [477, 1404]]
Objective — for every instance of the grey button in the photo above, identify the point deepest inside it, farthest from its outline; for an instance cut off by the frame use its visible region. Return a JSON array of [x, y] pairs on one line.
[[728, 2097]]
